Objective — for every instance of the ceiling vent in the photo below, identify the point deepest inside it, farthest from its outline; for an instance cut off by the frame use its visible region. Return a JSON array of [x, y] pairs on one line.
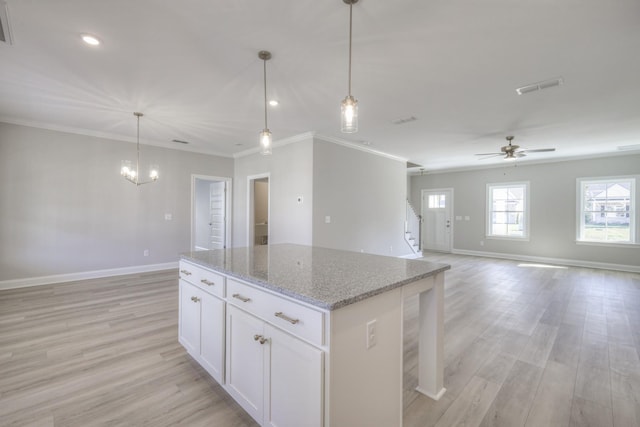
[[632, 147], [179, 141], [540, 86], [404, 120], [5, 27]]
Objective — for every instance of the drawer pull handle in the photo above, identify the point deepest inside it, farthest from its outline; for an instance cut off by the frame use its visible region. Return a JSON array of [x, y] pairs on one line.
[[195, 299], [241, 298], [206, 282], [185, 272], [287, 318]]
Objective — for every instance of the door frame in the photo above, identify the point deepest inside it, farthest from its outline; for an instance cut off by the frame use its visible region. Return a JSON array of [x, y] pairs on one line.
[[227, 207], [451, 214], [251, 210]]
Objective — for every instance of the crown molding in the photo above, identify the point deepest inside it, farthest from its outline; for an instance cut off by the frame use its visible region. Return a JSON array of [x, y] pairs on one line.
[[106, 135], [356, 146], [279, 143]]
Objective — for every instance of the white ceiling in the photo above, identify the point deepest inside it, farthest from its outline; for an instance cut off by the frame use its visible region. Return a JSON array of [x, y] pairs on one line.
[[191, 67]]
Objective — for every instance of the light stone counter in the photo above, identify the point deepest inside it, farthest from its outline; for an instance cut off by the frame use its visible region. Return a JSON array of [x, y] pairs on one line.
[[326, 278]]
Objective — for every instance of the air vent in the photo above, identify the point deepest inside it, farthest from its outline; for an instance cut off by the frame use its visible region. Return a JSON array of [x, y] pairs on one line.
[[540, 86], [404, 120], [179, 141], [629, 147], [5, 27]]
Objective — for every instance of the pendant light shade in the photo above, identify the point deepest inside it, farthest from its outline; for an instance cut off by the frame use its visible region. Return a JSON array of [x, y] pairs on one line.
[[349, 106], [131, 173], [265, 137]]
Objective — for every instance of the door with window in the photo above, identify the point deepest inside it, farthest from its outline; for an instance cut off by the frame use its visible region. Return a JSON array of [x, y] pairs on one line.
[[436, 217]]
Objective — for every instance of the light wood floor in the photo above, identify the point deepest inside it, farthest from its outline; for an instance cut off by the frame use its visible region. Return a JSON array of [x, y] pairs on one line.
[[524, 346]]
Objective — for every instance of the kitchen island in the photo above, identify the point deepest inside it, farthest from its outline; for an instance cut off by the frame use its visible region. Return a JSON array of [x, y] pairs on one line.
[[306, 336]]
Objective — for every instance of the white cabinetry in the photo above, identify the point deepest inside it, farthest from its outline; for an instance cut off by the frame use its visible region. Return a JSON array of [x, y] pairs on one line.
[[202, 317], [276, 377]]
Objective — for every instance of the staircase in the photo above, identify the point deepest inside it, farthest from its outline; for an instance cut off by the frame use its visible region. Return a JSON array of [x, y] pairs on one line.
[[412, 229]]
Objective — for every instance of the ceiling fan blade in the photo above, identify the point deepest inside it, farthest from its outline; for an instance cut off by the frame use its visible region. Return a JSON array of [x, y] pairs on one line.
[[538, 150], [490, 155], [520, 154]]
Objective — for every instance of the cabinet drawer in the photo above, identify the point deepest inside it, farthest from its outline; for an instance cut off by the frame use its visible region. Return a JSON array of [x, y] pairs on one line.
[[207, 280], [295, 318]]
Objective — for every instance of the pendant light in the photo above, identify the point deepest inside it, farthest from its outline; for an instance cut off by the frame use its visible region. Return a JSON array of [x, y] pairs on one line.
[[349, 106], [133, 175], [265, 137]]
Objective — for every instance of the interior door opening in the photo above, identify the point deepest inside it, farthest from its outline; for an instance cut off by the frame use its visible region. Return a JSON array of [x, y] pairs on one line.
[[258, 210], [209, 225]]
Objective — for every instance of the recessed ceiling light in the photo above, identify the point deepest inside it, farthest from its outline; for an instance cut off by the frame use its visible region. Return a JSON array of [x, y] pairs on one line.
[[273, 103], [90, 40]]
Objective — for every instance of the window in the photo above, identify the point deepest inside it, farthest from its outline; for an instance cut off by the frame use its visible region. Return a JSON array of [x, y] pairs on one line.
[[606, 210], [508, 210], [437, 201]]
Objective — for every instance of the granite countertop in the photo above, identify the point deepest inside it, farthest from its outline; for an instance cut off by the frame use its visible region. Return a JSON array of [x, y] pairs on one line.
[[326, 278]]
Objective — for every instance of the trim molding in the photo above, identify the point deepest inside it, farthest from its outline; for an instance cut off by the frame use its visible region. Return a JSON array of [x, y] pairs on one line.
[[556, 261], [71, 277]]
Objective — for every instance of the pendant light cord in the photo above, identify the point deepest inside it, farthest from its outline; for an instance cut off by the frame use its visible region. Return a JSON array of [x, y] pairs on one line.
[[138, 150], [264, 61], [350, 31]]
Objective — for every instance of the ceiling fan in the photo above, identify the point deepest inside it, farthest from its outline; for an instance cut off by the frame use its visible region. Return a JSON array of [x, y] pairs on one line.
[[512, 152]]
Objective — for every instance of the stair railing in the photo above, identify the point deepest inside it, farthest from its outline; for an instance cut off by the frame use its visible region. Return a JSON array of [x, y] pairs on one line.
[[413, 224]]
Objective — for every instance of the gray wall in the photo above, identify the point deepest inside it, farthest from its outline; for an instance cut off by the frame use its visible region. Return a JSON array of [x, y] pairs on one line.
[[553, 207], [64, 208], [365, 196], [290, 167]]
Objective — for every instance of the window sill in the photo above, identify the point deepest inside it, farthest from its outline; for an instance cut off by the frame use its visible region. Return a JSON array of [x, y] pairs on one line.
[[609, 244]]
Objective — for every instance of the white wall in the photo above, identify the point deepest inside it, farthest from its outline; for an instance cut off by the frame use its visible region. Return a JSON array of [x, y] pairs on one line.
[[364, 194], [553, 207], [290, 167], [64, 208]]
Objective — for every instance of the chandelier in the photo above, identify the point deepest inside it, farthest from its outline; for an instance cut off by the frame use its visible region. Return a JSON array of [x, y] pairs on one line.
[[133, 175]]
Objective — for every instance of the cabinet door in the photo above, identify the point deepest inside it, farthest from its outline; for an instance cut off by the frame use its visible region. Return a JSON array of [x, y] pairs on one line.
[[295, 393], [245, 361], [189, 322], [212, 336]]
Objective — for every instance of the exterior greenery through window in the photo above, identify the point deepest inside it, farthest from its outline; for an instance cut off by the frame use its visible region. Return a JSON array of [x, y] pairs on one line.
[[508, 210], [607, 210]]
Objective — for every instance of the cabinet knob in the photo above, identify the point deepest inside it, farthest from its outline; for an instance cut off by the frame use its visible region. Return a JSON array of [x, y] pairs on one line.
[[185, 272], [241, 298], [206, 282], [195, 299], [263, 340], [257, 337]]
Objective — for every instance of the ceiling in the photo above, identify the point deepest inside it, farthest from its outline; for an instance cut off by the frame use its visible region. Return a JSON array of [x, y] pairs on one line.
[[192, 68]]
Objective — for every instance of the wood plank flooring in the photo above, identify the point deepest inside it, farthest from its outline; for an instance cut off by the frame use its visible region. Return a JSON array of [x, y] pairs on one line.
[[524, 346]]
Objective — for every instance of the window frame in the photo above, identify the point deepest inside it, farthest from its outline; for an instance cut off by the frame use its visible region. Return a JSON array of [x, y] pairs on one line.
[[526, 232], [633, 213]]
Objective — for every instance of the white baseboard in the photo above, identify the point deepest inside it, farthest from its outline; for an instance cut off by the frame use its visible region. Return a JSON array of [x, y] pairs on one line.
[[70, 277], [557, 261]]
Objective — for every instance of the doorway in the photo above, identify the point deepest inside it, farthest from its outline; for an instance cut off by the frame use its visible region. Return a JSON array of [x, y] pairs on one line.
[[258, 210], [437, 230], [210, 205]]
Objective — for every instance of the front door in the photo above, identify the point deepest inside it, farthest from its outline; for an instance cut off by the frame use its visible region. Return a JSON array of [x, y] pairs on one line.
[[436, 214]]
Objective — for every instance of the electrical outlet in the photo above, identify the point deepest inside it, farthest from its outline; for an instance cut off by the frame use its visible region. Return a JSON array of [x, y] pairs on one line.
[[372, 333], [146, 252]]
